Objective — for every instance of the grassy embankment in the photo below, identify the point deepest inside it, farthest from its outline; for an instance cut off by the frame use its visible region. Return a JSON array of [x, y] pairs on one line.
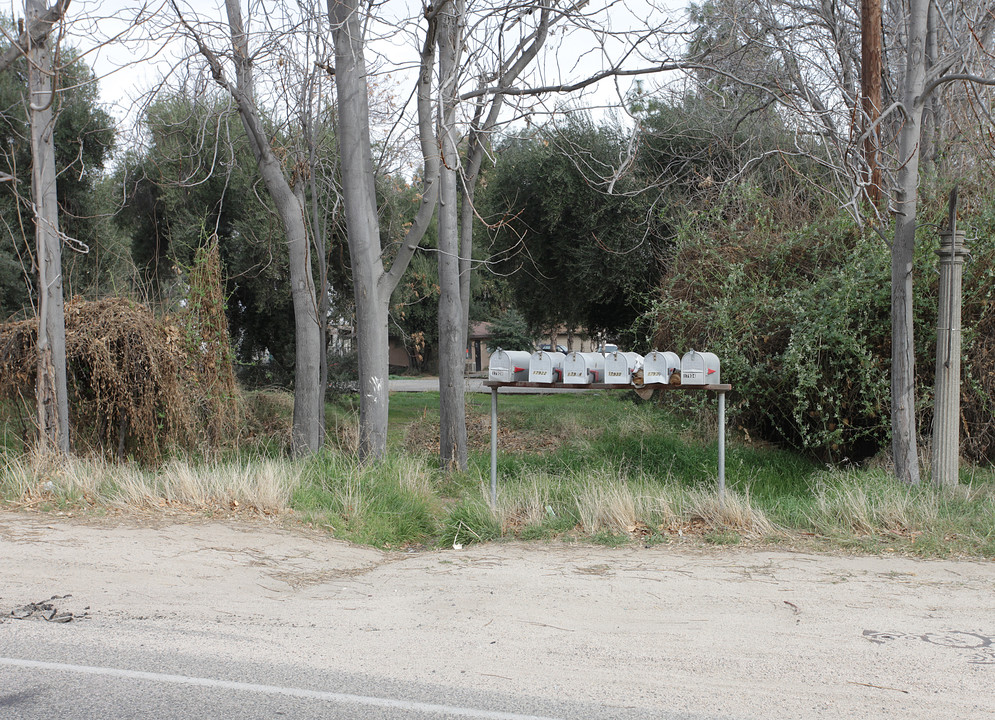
[[571, 467]]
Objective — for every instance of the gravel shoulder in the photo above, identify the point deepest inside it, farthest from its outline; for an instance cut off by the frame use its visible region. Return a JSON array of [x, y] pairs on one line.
[[727, 632]]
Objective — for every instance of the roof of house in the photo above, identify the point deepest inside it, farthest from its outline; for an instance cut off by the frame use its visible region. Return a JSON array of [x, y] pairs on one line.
[[480, 330]]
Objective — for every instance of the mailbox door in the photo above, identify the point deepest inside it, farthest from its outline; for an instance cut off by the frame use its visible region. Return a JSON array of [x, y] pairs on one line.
[[617, 369], [575, 370], [693, 369], [652, 368], [659, 366], [546, 367], [541, 368]]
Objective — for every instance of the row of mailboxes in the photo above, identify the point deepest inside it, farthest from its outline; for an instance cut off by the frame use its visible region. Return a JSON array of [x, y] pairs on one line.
[[617, 368]]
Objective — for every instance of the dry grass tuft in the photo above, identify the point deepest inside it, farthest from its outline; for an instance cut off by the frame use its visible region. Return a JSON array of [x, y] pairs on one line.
[[861, 505], [528, 502], [415, 476], [600, 500], [736, 512], [262, 485], [607, 503]]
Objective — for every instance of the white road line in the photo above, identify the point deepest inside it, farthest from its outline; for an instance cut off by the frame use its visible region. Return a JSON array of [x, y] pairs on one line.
[[273, 690]]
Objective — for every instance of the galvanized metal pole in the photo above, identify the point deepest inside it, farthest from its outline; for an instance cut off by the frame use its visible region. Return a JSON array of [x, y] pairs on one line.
[[722, 448], [946, 409], [494, 395]]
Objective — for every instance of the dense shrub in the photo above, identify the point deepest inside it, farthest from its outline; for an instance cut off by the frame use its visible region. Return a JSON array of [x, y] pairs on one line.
[[139, 385], [978, 372], [343, 374], [129, 390], [800, 318]]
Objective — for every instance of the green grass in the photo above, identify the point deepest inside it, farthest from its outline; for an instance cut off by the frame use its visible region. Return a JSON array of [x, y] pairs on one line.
[[719, 537], [389, 504], [595, 467]]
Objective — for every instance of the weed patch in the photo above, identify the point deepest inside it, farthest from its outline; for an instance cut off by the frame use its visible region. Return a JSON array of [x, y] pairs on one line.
[[630, 476]]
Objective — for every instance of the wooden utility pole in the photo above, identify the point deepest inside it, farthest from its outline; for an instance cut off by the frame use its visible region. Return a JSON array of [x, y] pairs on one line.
[[870, 92]]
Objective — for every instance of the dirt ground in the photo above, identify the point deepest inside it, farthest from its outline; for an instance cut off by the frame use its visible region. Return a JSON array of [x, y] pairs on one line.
[[737, 632]]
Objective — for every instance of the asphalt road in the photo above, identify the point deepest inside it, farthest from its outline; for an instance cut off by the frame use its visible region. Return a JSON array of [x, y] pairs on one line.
[[94, 677]]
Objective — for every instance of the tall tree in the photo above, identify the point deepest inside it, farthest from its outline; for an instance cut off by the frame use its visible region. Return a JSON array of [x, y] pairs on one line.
[[499, 77], [452, 326], [53, 398], [575, 255], [195, 177], [921, 80], [84, 140], [51, 391], [308, 432], [373, 283], [924, 57]]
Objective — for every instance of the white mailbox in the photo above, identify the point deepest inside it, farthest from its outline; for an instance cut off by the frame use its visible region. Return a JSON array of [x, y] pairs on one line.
[[659, 366], [509, 366], [699, 369], [546, 367], [619, 367], [583, 368]]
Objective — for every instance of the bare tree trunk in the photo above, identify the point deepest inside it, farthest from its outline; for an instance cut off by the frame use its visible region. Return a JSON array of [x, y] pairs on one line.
[[364, 233], [318, 225], [308, 430], [903, 405], [453, 408], [373, 286], [308, 433], [452, 334], [467, 191], [319, 235], [51, 388], [931, 110]]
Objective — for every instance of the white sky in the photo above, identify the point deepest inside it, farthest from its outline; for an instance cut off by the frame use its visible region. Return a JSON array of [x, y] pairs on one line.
[[129, 64]]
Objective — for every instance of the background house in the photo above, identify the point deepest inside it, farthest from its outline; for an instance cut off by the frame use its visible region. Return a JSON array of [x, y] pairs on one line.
[[478, 356]]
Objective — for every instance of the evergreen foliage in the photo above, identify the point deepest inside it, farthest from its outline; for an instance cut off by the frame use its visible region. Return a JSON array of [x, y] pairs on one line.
[[509, 331], [197, 173], [798, 314], [578, 252], [84, 139]]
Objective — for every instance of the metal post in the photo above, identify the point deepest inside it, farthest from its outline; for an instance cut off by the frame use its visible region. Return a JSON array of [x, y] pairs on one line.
[[722, 448], [494, 447], [946, 411]]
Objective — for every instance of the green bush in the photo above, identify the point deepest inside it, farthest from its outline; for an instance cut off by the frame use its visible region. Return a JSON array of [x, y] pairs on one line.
[[510, 332], [800, 319]]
